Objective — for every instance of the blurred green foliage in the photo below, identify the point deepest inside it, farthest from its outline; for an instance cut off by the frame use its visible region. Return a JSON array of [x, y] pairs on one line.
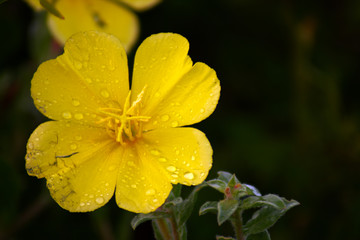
[[288, 120]]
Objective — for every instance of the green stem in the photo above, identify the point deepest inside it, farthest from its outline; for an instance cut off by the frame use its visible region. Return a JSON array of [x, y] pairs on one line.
[[165, 229], [236, 222]]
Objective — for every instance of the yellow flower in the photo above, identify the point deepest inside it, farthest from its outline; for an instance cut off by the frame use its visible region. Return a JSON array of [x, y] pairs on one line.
[[102, 15], [106, 138]]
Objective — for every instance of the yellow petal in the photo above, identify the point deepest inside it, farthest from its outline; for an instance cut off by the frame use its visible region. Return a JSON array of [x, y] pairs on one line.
[[91, 74], [192, 99], [142, 186], [160, 62], [78, 162], [94, 15], [184, 154], [141, 5]]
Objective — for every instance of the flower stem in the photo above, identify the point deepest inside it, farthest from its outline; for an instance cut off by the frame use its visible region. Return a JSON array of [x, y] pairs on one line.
[[165, 229], [236, 222]]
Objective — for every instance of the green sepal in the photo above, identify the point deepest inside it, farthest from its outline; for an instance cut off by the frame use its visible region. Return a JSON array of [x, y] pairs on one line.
[[207, 207], [140, 218], [50, 7], [260, 236], [226, 208], [224, 238], [266, 217]]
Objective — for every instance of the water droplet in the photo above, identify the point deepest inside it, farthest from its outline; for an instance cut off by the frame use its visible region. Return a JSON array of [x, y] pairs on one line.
[[30, 145], [78, 116], [162, 160], [133, 185], [78, 65], [78, 138], [111, 66], [106, 184], [82, 204], [112, 168], [189, 175], [164, 118], [105, 93], [73, 146], [75, 102], [202, 110], [155, 200], [174, 176], [131, 164], [155, 122], [193, 157], [66, 115], [173, 181], [150, 192], [99, 200], [177, 152], [88, 80], [174, 124], [155, 152], [171, 168]]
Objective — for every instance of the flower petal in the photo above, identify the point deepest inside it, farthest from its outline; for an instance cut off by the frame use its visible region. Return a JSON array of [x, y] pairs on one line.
[[160, 61], [91, 74], [184, 153], [191, 100], [79, 163], [141, 5], [141, 187], [94, 15]]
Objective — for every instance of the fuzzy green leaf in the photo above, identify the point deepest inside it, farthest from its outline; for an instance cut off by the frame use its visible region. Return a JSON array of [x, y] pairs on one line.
[[260, 236], [269, 200], [208, 207], [50, 7], [266, 217], [224, 176], [226, 208], [140, 218], [217, 184], [252, 190]]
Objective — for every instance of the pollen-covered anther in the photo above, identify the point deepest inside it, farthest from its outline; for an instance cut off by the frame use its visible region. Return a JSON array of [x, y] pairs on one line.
[[124, 125]]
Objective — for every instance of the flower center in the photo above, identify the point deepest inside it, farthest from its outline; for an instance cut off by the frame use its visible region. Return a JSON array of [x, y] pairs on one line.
[[124, 125]]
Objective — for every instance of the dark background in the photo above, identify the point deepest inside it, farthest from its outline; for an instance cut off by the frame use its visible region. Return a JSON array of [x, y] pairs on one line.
[[288, 120]]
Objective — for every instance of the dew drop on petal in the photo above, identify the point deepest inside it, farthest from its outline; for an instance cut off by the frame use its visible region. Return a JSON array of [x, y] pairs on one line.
[[78, 138], [31, 145], [162, 160], [73, 146], [155, 200], [66, 115], [88, 80], [202, 110], [193, 157], [174, 124], [82, 204], [189, 175], [150, 192], [164, 118], [78, 116], [99, 200], [155, 152], [105, 93], [133, 185], [171, 168], [78, 65], [174, 176], [75, 102]]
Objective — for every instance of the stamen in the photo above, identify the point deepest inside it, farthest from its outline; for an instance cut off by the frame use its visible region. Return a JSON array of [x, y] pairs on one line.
[[124, 124]]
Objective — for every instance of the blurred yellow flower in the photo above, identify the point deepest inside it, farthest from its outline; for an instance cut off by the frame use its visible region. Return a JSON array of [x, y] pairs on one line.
[[110, 16], [106, 138]]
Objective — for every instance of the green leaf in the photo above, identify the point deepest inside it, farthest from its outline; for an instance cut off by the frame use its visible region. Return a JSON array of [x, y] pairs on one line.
[[51, 8], [267, 200], [224, 238], [260, 236], [252, 190], [266, 217], [208, 207], [226, 208], [250, 202], [140, 218], [273, 200], [217, 184], [233, 181], [224, 176], [177, 190], [184, 209]]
